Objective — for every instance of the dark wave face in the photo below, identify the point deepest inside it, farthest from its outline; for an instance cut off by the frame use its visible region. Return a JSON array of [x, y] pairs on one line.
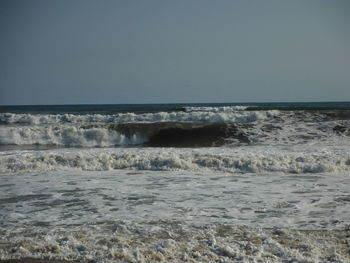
[[175, 134], [164, 134], [178, 134], [201, 136]]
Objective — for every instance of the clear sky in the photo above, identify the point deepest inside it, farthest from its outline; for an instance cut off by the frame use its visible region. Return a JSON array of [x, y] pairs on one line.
[[154, 51]]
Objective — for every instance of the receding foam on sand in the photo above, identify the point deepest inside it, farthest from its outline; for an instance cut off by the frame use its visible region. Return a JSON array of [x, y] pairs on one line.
[[171, 242]]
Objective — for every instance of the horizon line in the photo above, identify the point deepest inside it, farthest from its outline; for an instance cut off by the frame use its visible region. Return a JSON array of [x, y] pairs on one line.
[[162, 103]]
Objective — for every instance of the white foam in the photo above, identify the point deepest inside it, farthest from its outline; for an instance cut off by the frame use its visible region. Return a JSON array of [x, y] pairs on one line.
[[217, 109], [128, 216], [291, 132], [171, 242], [67, 135], [198, 116], [288, 132], [269, 200], [242, 160], [175, 216]]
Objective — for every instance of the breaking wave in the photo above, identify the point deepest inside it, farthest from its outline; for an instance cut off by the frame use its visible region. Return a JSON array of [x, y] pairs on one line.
[[217, 109], [176, 116], [67, 136], [257, 160], [124, 134], [175, 134]]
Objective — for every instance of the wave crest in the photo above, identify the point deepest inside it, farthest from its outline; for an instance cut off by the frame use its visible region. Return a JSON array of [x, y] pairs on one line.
[[196, 116], [176, 134], [67, 136]]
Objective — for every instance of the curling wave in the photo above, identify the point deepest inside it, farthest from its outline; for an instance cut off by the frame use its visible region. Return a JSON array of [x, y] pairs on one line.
[[174, 134], [177, 134]]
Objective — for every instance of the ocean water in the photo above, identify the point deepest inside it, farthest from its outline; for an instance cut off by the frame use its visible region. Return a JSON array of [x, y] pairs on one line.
[[254, 182]]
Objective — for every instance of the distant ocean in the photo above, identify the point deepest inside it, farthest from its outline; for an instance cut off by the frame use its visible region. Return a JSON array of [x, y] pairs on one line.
[[229, 182]]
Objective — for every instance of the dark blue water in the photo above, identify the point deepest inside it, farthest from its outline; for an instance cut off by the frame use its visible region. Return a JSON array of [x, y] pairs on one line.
[[115, 108]]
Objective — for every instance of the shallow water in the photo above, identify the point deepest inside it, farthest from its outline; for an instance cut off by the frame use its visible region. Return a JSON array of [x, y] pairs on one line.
[[314, 201], [165, 216]]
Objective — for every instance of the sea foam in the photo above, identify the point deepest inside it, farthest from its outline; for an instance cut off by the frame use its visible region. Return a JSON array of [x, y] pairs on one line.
[[200, 116], [240, 160], [66, 135], [213, 243], [217, 109]]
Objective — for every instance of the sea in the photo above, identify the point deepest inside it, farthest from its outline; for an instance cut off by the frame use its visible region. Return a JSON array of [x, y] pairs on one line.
[[210, 182]]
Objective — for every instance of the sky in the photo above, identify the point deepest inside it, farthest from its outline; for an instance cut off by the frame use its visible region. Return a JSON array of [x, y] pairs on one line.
[[162, 51]]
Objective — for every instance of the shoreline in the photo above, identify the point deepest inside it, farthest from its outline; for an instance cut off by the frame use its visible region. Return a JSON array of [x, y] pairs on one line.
[[203, 244]]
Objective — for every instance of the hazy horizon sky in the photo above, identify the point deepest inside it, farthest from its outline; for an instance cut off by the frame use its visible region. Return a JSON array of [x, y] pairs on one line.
[[159, 51]]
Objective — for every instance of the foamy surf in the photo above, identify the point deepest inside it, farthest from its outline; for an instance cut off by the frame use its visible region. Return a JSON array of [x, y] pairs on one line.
[[67, 135], [177, 116], [214, 243], [174, 217], [175, 183], [217, 109], [287, 131], [234, 160]]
